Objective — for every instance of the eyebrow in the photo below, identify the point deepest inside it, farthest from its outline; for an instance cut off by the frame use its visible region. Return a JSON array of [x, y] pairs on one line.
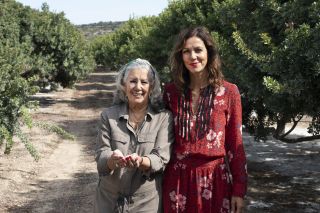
[[133, 78], [193, 47]]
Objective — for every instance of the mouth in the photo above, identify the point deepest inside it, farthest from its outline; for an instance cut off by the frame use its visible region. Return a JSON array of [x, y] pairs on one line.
[[195, 64], [138, 94]]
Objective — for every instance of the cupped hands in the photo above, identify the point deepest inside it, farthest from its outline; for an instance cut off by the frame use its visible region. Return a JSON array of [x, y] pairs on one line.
[[118, 160]]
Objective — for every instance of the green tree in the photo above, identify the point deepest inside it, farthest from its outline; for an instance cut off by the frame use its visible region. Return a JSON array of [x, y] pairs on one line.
[[269, 49], [123, 45], [60, 52], [278, 43], [34, 45], [14, 89]]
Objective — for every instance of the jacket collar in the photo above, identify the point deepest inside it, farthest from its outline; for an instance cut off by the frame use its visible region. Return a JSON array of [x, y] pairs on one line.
[[124, 112]]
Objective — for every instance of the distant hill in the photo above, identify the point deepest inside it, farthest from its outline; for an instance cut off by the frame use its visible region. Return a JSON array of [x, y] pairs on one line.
[[100, 28]]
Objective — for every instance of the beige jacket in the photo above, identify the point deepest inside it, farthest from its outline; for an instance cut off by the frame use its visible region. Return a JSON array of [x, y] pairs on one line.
[[130, 189]]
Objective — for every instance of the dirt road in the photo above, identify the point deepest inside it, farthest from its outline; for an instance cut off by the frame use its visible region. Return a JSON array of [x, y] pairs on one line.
[[65, 177]]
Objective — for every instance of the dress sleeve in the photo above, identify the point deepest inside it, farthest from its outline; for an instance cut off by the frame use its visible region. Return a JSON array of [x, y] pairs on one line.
[[234, 145], [103, 148]]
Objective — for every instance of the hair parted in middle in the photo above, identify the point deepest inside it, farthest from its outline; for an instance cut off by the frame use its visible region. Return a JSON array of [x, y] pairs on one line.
[[155, 96], [179, 72]]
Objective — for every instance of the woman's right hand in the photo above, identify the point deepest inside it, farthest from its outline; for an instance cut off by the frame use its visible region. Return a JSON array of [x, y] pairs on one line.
[[116, 160]]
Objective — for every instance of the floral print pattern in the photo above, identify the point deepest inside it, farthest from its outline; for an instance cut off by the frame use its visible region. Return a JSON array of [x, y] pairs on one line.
[[196, 178], [205, 186], [207, 194], [225, 206], [214, 137], [220, 91], [179, 201]]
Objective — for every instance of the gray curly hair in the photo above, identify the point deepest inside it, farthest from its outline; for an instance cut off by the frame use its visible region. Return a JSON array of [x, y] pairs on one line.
[[155, 96]]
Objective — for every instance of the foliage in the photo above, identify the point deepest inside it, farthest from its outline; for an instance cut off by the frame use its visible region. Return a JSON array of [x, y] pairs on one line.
[[55, 129], [281, 57], [104, 51], [35, 46], [147, 37], [14, 89], [270, 49], [125, 44], [59, 52], [314, 128]]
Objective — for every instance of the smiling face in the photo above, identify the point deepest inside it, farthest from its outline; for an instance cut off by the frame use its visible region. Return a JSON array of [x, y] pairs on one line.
[[137, 87], [195, 55]]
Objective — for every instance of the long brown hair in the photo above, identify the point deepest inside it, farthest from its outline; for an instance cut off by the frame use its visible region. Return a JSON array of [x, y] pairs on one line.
[[180, 74]]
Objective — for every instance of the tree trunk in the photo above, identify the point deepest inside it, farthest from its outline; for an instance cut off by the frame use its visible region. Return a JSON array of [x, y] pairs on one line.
[[280, 133], [281, 124]]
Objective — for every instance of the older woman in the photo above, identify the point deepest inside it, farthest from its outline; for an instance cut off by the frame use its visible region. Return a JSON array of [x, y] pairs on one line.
[[134, 142]]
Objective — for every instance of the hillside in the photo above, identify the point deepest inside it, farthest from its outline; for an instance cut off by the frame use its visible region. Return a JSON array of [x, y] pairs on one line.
[[100, 28]]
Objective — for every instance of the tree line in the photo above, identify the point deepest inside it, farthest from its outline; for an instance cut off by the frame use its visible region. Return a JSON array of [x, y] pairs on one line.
[[270, 49], [37, 48], [100, 28]]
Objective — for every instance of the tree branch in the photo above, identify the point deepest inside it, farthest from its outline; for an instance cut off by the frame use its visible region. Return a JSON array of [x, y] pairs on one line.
[[295, 123]]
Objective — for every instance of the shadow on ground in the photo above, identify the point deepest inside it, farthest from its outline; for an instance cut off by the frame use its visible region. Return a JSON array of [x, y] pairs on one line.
[[272, 192], [94, 86], [86, 102], [46, 198], [101, 77]]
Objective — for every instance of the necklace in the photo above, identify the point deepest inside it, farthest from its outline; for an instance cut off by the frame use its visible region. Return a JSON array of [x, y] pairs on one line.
[[136, 118], [195, 101], [195, 93]]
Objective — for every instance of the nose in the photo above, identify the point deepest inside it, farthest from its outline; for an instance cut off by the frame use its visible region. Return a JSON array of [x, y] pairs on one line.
[[193, 55], [138, 85]]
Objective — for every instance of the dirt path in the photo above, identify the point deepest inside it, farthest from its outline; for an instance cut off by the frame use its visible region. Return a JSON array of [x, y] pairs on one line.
[[283, 177], [65, 177]]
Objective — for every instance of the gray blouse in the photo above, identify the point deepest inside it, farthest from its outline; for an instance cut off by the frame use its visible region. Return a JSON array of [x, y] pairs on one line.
[[130, 189]]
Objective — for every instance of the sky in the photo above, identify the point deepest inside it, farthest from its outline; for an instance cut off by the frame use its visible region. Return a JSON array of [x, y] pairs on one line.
[[92, 11]]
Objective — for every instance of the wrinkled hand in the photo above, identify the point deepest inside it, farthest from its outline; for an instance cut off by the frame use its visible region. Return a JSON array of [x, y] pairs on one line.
[[133, 160], [237, 205], [116, 160]]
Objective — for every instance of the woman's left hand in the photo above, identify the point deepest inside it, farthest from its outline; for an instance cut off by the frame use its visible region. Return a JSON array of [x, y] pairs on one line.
[[237, 204]]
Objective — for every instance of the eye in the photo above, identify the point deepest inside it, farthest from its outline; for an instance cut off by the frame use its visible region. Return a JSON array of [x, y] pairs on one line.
[[144, 82], [185, 51], [198, 50], [133, 81]]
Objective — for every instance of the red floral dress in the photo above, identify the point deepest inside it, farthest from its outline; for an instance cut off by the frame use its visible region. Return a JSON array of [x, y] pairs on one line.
[[196, 178]]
